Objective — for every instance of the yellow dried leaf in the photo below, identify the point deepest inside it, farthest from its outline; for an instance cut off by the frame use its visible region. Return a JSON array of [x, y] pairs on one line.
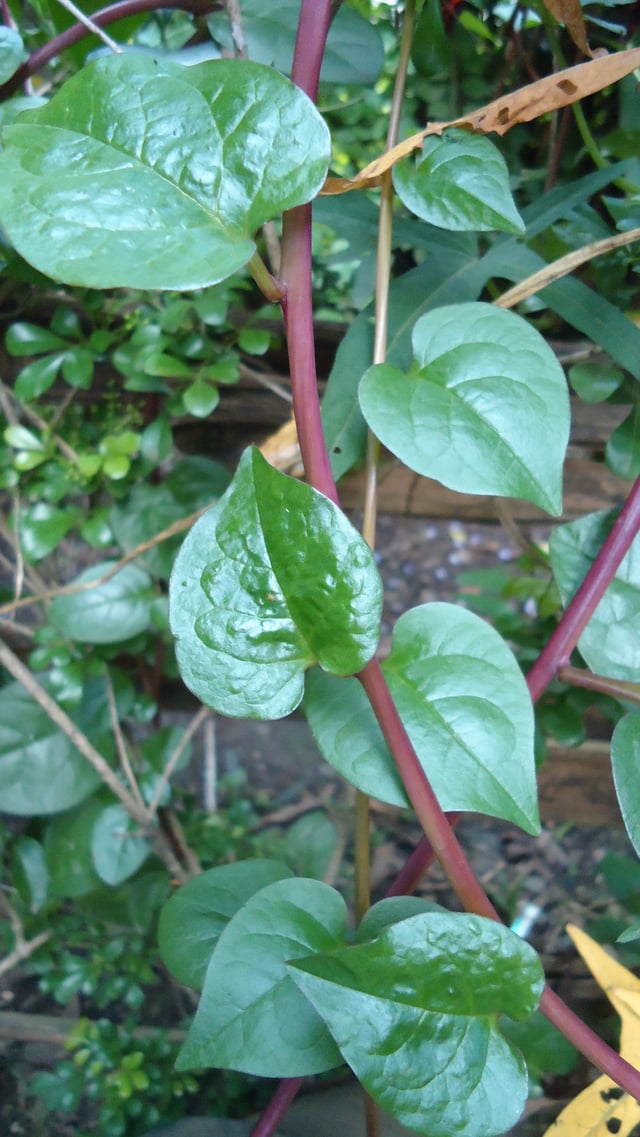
[[527, 103], [600, 1110], [569, 13], [603, 1108]]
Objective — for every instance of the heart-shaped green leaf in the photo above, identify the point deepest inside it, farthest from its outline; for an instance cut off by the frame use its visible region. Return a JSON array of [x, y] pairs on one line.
[[118, 609], [415, 1014], [152, 175], [465, 706], [484, 410], [270, 581], [610, 643], [251, 1015], [459, 181], [117, 847], [193, 920], [41, 771], [625, 760]]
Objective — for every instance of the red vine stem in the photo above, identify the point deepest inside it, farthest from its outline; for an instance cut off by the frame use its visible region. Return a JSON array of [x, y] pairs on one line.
[[579, 611]]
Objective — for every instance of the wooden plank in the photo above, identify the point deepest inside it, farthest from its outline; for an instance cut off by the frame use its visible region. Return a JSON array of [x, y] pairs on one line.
[[577, 786], [588, 486]]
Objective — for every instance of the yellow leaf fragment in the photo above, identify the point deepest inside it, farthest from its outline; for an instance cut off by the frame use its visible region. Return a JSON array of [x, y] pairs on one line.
[[569, 13], [600, 1110], [545, 95], [603, 1108]]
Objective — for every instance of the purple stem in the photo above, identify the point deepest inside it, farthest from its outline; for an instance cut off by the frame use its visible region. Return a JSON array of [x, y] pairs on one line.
[[119, 11], [557, 651], [273, 1113]]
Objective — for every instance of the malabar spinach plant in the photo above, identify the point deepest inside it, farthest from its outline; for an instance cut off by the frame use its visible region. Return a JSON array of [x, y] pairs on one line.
[[143, 173]]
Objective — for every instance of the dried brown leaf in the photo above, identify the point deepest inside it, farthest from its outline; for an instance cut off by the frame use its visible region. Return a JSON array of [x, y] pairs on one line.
[[541, 97], [569, 13]]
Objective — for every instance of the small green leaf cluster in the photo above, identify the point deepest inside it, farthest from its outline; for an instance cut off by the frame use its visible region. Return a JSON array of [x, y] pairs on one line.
[[129, 1076]]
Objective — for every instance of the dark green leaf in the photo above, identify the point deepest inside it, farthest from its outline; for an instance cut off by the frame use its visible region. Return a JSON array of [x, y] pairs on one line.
[[430, 50], [42, 528], [249, 617], [415, 1014], [200, 398], [152, 175], [622, 452], [115, 610], [458, 181], [77, 367], [309, 845], [450, 272], [29, 873], [37, 377], [251, 1015], [625, 759], [594, 382], [544, 1049], [610, 643], [485, 410], [466, 708], [117, 847], [193, 920], [68, 848], [354, 51], [12, 52], [31, 339], [41, 772]]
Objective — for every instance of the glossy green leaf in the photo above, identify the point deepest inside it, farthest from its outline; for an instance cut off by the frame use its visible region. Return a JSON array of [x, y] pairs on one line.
[[193, 920], [458, 181], [117, 847], [200, 398], [37, 377], [354, 51], [610, 643], [115, 610], [12, 52], [348, 736], [415, 1014], [270, 581], [450, 272], [68, 848], [41, 771], [29, 873], [485, 409], [251, 1015], [42, 528], [77, 367], [30, 339], [23, 439], [151, 175], [625, 760], [465, 706], [622, 452]]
